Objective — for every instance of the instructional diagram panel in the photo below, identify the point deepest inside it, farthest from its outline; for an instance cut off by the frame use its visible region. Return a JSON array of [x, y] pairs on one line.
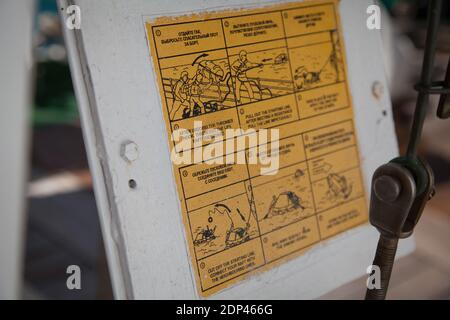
[[289, 175]]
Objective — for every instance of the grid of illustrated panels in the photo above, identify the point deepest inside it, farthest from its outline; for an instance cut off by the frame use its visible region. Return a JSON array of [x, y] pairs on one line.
[[250, 183]]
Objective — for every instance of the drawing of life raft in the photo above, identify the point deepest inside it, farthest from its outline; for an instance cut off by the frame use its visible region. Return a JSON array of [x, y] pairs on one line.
[[236, 236], [204, 236], [284, 203]]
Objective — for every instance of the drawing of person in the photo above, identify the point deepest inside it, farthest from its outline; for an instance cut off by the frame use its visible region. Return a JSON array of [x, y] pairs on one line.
[[196, 90], [213, 79], [180, 94], [240, 68], [214, 74]]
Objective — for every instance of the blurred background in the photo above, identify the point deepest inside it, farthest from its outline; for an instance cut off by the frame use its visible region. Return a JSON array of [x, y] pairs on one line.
[[62, 226]]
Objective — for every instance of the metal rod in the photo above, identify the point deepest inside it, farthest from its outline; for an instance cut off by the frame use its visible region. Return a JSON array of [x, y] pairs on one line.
[[434, 16], [387, 245], [384, 259]]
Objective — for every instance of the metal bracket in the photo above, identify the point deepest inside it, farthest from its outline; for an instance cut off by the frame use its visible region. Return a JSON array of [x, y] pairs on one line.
[[441, 88]]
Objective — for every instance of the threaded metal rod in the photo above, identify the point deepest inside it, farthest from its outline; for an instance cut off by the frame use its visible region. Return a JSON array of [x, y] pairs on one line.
[[384, 259]]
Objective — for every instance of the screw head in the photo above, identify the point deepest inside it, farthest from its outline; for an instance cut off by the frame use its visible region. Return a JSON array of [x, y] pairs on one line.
[[387, 188], [377, 89], [129, 151]]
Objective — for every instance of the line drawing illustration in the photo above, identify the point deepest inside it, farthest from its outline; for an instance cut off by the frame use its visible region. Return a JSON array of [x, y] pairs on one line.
[[338, 186], [299, 173], [208, 83], [315, 69], [240, 67], [200, 87], [283, 203], [260, 75], [224, 225], [205, 235], [321, 167], [235, 235]]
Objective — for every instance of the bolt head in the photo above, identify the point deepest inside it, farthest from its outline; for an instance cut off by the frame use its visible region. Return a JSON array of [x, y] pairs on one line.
[[387, 188], [129, 151], [377, 89]]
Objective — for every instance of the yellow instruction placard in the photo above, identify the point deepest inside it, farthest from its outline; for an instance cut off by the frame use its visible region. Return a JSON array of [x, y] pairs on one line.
[[280, 67]]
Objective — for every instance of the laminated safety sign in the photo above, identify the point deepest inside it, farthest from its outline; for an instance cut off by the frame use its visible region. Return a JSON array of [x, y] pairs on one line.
[[278, 68]]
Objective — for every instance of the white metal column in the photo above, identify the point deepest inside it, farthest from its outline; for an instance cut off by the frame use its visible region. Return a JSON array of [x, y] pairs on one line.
[[16, 22]]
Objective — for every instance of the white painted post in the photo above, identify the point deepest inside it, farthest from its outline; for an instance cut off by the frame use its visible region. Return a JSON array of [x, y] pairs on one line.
[[16, 20]]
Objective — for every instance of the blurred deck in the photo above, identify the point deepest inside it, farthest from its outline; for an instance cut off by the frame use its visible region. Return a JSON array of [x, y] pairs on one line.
[[424, 274]]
